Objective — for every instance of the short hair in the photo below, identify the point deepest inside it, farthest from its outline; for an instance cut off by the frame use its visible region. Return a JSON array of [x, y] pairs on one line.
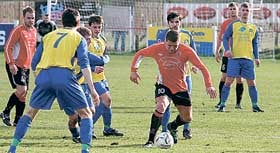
[[172, 35], [95, 19], [70, 17], [84, 31], [245, 4], [173, 15], [232, 4], [27, 9]]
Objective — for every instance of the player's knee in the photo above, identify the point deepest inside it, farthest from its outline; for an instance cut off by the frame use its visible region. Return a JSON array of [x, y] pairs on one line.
[[158, 114], [186, 118], [160, 109], [73, 120], [84, 113], [21, 94], [108, 102]]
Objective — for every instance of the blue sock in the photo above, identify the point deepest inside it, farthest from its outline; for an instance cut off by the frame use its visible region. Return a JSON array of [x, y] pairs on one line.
[[186, 125], [165, 119], [98, 112], [23, 125], [253, 92], [75, 132], [86, 132], [12, 149], [225, 94], [107, 117], [21, 129]]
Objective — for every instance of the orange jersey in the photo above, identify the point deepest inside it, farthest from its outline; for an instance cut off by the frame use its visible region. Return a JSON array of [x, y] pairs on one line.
[[172, 66], [224, 26], [20, 46]]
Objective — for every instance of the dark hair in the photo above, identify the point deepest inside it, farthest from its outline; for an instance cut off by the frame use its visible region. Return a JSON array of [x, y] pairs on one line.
[[245, 4], [173, 15], [27, 9], [95, 19], [70, 17], [232, 4], [84, 31], [172, 35]]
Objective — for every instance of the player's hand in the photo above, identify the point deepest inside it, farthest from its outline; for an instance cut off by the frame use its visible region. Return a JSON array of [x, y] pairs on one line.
[[228, 54], [257, 62], [13, 69], [194, 69], [218, 57], [211, 91], [135, 77], [98, 69], [95, 98]]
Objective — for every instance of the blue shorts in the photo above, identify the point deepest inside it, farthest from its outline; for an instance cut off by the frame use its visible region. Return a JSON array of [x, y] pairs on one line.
[[241, 67], [57, 83], [70, 111], [101, 87]]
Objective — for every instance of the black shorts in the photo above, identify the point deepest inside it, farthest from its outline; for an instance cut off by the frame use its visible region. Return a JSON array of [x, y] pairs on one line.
[[179, 98], [21, 78], [224, 64]]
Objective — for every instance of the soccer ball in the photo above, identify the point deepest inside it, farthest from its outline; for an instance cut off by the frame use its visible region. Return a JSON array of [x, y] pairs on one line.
[[164, 140]]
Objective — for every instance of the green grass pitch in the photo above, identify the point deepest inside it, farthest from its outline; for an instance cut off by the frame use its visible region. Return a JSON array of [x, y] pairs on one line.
[[240, 131]]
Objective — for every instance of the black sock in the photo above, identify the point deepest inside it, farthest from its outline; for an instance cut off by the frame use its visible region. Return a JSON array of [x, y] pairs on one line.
[[11, 103], [239, 92], [177, 122], [220, 88], [155, 124], [19, 110]]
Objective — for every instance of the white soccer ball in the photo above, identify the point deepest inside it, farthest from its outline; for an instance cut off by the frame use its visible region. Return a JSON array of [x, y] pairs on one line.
[[164, 140]]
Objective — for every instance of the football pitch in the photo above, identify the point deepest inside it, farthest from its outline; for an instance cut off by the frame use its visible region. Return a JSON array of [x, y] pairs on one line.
[[233, 131]]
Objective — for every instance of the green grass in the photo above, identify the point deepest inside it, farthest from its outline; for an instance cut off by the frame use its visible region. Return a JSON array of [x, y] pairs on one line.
[[239, 131]]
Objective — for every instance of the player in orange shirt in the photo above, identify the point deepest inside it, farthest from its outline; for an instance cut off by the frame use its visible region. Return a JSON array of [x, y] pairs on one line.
[[18, 52], [233, 15], [171, 57]]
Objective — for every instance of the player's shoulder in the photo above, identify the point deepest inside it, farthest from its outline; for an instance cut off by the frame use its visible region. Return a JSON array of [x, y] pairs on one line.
[[184, 31], [39, 22], [52, 23], [102, 37]]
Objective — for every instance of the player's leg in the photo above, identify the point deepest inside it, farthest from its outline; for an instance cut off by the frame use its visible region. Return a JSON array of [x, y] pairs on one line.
[[21, 93], [100, 108], [73, 124], [239, 92], [106, 101], [162, 101], [71, 94], [22, 80], [165, 118], [22, 128], [86, 90], [248, 72], [183, 104], [13, 100], [223, 78], [187, 134], [233, 69]]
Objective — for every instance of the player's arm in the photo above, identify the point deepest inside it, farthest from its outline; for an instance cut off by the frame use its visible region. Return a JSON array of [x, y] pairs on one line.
[[219, 42], [9, 48], [37, 56], [255, 44], [83, 62], [195, 60], [137, 59], [226, 38]]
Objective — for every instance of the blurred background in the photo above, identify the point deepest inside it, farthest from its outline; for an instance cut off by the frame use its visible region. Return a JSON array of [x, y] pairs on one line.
[[130, 25]]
